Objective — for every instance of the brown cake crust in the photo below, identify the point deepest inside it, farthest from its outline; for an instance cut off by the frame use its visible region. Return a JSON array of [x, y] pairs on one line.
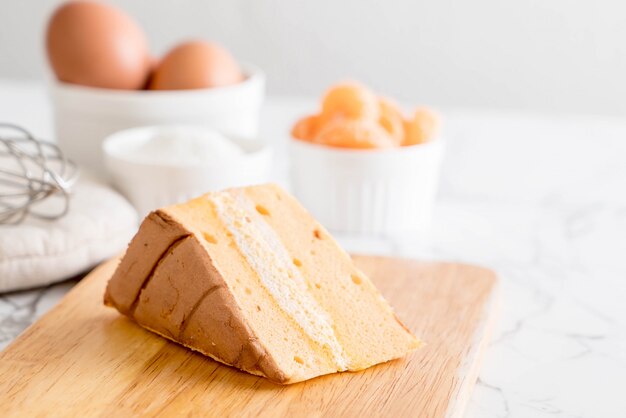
[[168, 284]]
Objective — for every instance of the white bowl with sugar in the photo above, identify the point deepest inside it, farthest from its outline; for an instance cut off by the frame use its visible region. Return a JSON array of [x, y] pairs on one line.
[[156, 166]]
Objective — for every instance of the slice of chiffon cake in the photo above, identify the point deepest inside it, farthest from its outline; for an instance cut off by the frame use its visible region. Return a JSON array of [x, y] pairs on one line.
[[247, 277]]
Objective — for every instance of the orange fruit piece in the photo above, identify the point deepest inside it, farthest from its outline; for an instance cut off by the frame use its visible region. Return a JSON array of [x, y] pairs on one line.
[[354, 133], [421, 128], [350, 100], [391, 119], [306, 128]]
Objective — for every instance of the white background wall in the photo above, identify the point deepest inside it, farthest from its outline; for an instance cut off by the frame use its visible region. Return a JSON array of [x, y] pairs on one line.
[[541, 55]]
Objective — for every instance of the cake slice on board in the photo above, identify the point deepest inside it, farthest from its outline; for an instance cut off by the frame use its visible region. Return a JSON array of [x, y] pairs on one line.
[[249, 278]]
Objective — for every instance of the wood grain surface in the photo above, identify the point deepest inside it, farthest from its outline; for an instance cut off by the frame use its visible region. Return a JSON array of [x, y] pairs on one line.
[[83, 359]]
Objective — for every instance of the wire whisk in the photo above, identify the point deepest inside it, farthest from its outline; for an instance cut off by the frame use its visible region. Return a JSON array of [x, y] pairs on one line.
[[32, 171]]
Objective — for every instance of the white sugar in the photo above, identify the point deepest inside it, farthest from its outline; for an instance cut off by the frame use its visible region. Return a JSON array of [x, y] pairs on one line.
[[178, 146]]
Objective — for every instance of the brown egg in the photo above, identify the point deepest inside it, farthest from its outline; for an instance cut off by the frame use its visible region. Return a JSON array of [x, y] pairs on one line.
[[96, 45], [195, 65]]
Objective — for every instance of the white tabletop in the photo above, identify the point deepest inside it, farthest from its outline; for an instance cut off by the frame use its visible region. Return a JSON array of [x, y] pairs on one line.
[[539, 199]]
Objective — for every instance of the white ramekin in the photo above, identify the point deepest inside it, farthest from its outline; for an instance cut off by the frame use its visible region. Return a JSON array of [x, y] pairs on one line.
[[387, 193], [84, 116], [150, 185]]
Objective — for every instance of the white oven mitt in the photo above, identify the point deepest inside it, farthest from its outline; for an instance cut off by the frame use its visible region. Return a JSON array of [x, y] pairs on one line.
[[99, 225]]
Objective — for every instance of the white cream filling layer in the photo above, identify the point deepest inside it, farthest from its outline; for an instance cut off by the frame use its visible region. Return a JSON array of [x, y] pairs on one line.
[[268, 257]]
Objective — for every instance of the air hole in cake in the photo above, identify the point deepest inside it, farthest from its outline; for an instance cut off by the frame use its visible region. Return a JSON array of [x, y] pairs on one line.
[[356, 279], [209, 238], [298, 360], [262, 210], [297, 262], [258, 308], [248, 291], [317, 234]]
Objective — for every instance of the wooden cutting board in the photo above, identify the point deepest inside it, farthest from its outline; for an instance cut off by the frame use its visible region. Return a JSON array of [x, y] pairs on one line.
[[83, 359]]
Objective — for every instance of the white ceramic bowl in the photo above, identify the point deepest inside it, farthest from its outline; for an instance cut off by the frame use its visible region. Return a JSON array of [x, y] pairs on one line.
[[152, 185], [388, 193], [84, 116]]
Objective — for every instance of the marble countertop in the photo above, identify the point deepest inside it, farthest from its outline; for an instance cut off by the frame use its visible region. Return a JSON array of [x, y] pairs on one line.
[[539, 199]]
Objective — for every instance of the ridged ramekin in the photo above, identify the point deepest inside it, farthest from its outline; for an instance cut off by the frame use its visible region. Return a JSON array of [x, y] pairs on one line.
[[381, 192]]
